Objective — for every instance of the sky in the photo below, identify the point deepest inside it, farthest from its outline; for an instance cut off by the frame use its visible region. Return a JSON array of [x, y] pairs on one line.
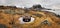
[[52, 4]]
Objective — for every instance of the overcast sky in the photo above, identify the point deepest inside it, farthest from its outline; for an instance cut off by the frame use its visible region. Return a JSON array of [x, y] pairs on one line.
[[53, 4]]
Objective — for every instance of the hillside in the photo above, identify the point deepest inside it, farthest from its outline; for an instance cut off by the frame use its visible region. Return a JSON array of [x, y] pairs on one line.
[[10, 18]]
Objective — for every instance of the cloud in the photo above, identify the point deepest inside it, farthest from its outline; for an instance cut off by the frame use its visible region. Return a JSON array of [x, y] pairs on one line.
[[54, 4], [2, 2]]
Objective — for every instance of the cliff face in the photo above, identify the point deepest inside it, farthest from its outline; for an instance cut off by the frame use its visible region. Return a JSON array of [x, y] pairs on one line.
[[11, 18]]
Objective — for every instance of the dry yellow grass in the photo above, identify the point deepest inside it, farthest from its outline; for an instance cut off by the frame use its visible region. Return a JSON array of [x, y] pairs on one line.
[[11, 19]]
